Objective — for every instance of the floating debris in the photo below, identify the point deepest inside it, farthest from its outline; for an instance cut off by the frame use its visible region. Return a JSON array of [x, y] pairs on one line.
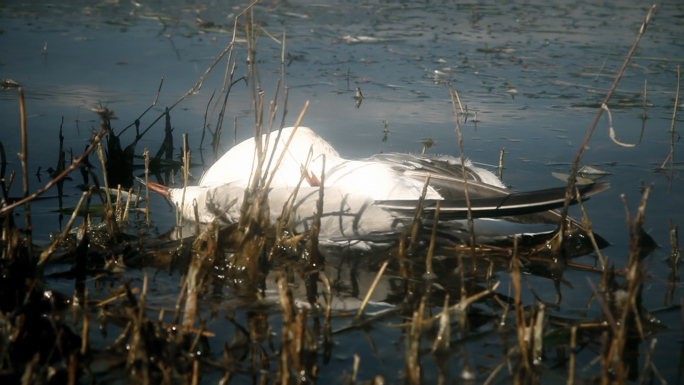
[[589, 169]]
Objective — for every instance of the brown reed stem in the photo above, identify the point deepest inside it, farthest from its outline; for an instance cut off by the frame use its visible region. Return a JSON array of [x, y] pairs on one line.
[[48, 252], [501, 160], [24, 166], [575, 164], [86, 323], [670, 156], [415, 225], [520, 321], [124, 217], [359, 312], [186, 170], [429, 273], [587, 226], [571, 362], [471, 225], [117, 210], [316, 223], [101, 157], [643, 101], [647, 361], [289, 140], [146, 156]]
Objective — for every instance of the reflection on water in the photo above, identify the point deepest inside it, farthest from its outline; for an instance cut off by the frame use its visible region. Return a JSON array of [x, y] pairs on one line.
[[531, 77]]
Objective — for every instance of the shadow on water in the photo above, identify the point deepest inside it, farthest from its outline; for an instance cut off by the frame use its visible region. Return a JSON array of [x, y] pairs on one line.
[[255, 301]]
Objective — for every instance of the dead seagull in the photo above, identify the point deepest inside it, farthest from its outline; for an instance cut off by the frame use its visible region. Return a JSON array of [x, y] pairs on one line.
[[369, 201]]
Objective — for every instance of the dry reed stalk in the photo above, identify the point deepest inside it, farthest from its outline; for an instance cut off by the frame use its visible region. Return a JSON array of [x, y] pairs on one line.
[[328, 342], [490, 274], [287, 144], [86, 322], [494, 372], [252, 38], [501, 166], [143, 296], [23, 156], [520, 320], [471, 225], [611, 130], [586, 223], [179, 301], [282, 78], [355, 368], [117, 207], [296, 341], [670, 156], [195, 211], [359, 312], [198, 335], [412, 369], [110, 215], [50, 250], [186, 170], [271, 119], [6, 186], [647, 361], [643, 102], [101, 158], [313, 264], [272, 109], [625, 305], [194, 285], [575, 164], [195, 372], [673, 262], [216, 135], [286, 214], [571, 361], [538, 334], [605, 309], [460, 310], [415, 224], [116, 295], [443, 338], [146, 156], [205, 125], [124, 218], [429, 274]]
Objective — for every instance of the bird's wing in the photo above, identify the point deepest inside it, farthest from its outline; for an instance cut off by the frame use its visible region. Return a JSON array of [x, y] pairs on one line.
[[446, 175], [509, 204]]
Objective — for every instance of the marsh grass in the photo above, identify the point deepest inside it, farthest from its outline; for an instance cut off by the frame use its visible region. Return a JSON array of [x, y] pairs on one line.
[[228, 271]]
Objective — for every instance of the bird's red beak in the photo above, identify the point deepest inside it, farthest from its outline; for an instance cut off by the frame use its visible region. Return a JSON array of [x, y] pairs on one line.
[[159, 188]]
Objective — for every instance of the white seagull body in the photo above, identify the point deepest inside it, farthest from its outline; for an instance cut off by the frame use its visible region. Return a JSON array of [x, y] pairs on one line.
[[365, 201]]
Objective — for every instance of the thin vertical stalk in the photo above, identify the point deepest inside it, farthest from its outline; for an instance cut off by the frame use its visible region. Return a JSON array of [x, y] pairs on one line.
[[569, 192], [146, 155], [429, 273], [24, 165], [471, 225], [672, 126]]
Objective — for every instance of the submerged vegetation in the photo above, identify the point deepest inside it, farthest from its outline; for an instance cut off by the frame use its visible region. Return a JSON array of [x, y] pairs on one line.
[[255, 302]]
